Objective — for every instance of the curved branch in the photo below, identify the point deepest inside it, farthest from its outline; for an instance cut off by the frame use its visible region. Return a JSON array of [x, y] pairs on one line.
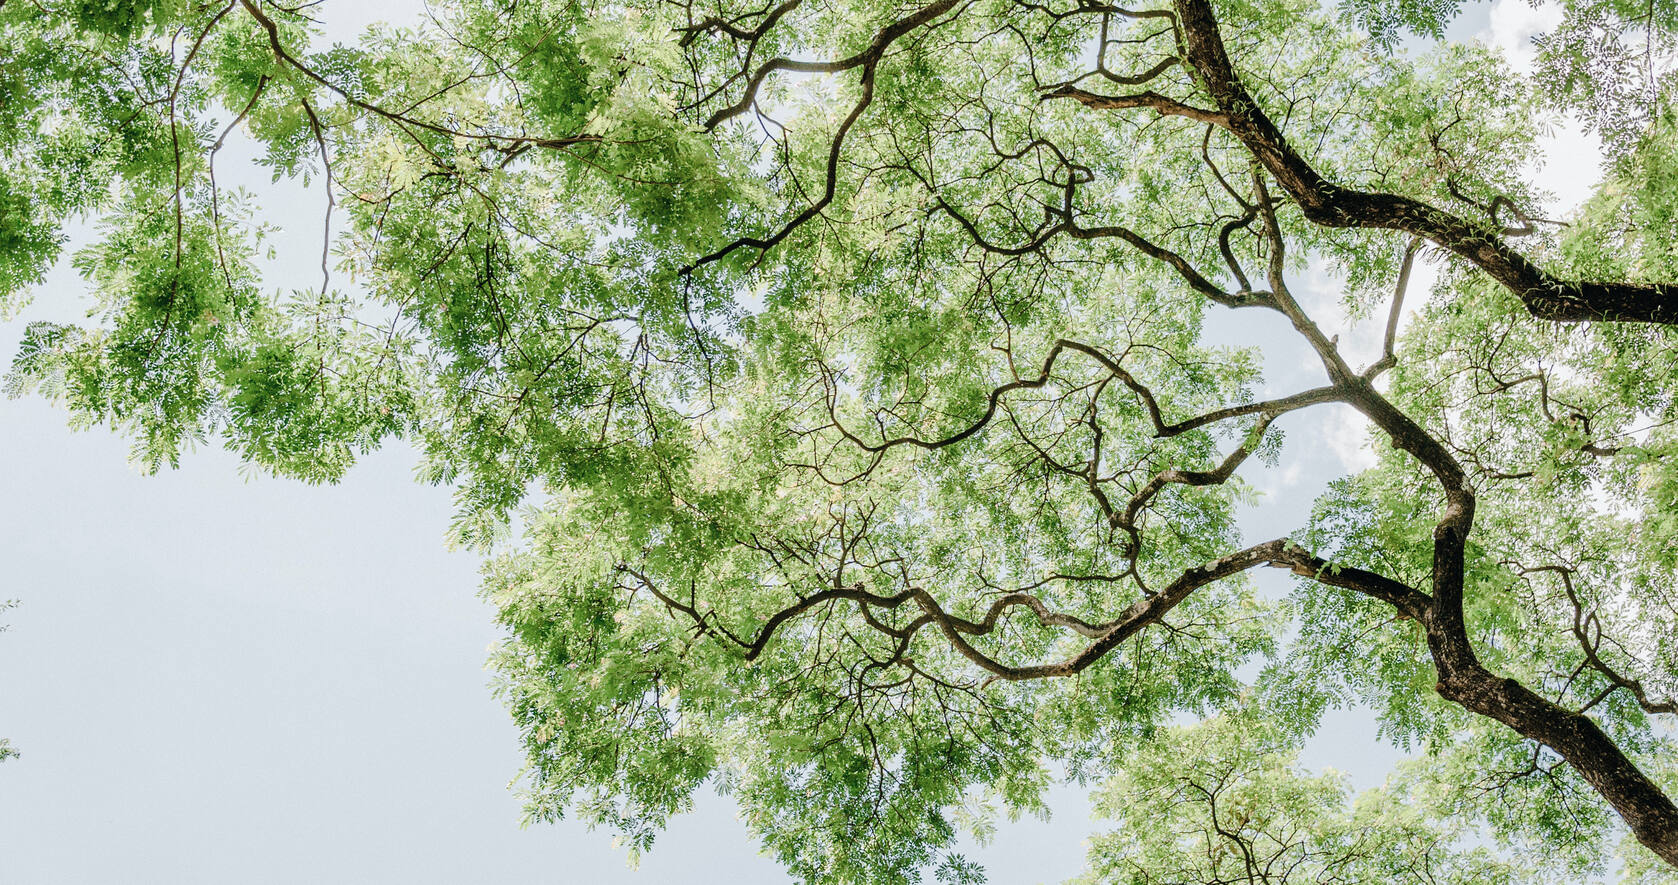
[[1162, 429], [1314, 396], [1280, 552], [1584, 626], [1215, 476], [1326, 203], [1151, 100], [866, 59]]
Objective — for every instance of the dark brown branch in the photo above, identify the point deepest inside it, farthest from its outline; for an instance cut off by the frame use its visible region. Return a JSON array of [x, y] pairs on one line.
[[867, 58], [1323, 202], [1151, 100], [1215, 476], [1162, 428], [1649, 812], [1151, 609], [1587, 629]]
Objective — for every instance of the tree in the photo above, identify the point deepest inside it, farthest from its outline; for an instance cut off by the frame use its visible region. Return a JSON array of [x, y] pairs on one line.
[[846, 367], [1225, 801]]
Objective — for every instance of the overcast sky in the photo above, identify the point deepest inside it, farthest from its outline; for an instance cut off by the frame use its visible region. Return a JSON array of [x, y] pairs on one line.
[[218, 678]]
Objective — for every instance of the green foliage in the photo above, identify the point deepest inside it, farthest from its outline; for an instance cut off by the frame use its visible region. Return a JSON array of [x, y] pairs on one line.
[[1611, 60], [1386, 22], [1630, 227], [1227, 801], [847, 377]]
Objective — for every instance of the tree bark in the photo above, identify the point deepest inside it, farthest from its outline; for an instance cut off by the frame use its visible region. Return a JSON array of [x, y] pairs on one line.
[[1647, 810], [1326, 203], [1640, 802]]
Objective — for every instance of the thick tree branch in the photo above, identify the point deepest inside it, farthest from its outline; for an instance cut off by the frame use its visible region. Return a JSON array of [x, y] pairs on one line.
[[1140, 614], [1151, 100], [1324, 202]]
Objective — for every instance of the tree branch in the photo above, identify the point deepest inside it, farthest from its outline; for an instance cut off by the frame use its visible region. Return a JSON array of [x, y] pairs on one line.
[[1326, 203]]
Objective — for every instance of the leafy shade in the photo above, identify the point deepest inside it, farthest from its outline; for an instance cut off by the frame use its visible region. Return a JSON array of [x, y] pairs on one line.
[[1226, 801], [850, 369]]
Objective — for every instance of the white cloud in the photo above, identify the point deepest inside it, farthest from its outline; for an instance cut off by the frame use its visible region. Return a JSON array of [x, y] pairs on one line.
[[1346, 434], [1513, 25], [1571, 167], [1272, 482]]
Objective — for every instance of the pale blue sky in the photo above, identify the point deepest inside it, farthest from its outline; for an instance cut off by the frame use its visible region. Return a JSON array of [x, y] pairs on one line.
[[218, 679]]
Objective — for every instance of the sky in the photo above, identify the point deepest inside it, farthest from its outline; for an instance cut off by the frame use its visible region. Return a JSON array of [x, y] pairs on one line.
[[215, 677]]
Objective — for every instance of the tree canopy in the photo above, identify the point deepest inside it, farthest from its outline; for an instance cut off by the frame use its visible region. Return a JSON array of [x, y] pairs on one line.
[[832, 384], [1225, 801]]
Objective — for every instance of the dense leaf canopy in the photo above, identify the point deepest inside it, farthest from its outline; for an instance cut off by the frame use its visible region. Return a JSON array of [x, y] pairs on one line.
[[1229, 803], [845, 369]]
